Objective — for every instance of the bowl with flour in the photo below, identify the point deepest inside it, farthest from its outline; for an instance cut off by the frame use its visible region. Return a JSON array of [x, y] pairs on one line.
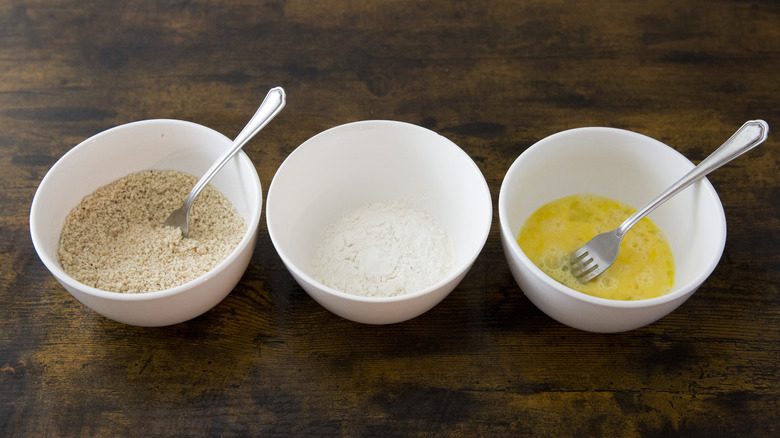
[[90, 208], [378, 221]]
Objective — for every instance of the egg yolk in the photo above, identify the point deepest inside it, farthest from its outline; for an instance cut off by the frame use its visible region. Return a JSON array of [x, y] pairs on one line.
[[645, 264]]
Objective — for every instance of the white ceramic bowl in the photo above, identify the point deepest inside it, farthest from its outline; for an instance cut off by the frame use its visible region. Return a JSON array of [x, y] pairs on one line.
[[346, 167], [112, 154], [629, 167]]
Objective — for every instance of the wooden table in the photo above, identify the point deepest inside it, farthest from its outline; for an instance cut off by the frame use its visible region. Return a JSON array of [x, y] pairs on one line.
[[494, 77]]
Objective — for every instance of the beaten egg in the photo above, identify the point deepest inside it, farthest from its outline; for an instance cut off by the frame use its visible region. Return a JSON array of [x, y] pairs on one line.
[[645, 264]]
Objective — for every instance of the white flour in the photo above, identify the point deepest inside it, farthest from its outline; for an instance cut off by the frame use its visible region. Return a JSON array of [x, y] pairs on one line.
[[383, 249]]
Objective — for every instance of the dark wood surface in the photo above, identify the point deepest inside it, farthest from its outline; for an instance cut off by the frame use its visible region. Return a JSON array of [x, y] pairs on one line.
[[494, 77]]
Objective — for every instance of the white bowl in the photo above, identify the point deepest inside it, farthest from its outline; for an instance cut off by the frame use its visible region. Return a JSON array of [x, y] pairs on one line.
[[112, 154], [629, 167], [346, 167]]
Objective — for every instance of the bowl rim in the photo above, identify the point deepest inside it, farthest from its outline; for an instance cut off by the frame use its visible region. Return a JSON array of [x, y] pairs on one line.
[[678, 291], [457, 271], [53, 265]]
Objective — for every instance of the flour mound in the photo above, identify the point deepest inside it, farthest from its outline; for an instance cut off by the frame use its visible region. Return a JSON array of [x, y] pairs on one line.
[[383, 249]]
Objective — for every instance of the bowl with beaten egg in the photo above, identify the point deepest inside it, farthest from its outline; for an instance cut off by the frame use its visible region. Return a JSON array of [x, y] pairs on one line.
[[570, 186]]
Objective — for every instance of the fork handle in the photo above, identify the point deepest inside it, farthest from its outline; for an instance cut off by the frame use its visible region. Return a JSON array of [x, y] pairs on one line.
[[750, 135], [271, 106]]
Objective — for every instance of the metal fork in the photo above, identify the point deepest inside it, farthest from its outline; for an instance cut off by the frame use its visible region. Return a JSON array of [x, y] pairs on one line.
[[600, 252], [273, 103]]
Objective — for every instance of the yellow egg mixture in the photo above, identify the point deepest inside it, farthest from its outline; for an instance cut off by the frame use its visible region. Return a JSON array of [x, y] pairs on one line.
[[645, 264]]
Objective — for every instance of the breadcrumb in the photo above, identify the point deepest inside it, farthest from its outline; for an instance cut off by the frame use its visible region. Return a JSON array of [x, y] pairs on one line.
[[115, 240]]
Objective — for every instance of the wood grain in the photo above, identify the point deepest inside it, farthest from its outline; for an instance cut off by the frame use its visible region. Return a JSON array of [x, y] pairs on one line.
[[494, 77]]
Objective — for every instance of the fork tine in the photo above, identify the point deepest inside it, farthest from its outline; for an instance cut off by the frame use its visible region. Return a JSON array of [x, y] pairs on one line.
[[586, 272], [579, 254], [595, 256], [580, 265], [583, 266], [582, 262]]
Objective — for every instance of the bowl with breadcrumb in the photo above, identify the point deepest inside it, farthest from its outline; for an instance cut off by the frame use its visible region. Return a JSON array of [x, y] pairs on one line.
[[568, 187], [96, 222], [378, 221]]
